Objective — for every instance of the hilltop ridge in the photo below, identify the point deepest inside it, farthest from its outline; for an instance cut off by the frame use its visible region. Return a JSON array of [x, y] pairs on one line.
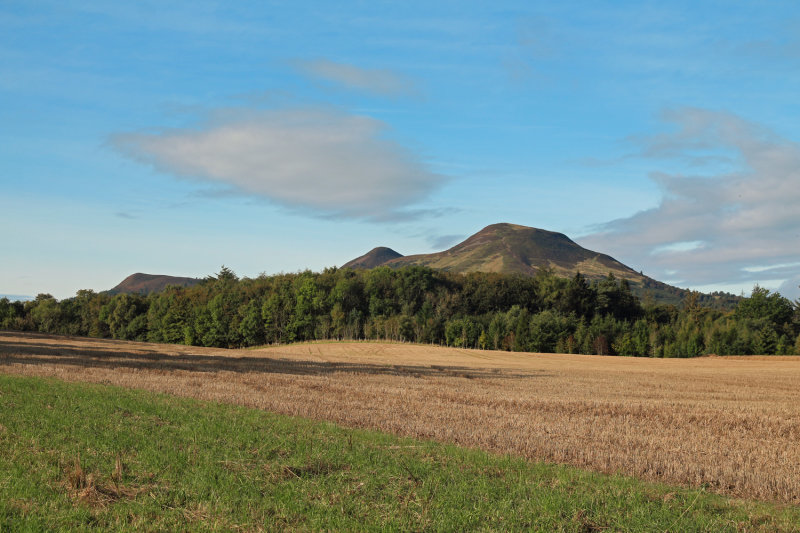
[[508, 248], [140, 283], [515, 249], [501, 248]]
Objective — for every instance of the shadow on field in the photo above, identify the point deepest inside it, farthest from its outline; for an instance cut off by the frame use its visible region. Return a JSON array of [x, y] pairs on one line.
[[102, 356]]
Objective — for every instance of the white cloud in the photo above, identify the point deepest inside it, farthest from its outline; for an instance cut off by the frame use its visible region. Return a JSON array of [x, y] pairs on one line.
[[379, 81], [745, 212], [329, 162], [770, 267]]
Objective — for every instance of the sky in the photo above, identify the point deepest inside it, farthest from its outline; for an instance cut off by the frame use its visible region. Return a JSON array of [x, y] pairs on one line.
[[177, 137]]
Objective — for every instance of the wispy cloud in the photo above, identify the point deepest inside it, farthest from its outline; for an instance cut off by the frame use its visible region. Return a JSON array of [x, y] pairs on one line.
[[722, 226], [443, 242], [324, 161], [378, 81]]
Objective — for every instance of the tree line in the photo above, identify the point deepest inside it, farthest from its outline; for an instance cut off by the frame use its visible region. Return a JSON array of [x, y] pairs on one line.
[[543, 313]]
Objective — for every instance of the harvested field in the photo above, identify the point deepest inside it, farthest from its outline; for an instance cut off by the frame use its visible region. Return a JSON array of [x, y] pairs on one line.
[[729, 423]]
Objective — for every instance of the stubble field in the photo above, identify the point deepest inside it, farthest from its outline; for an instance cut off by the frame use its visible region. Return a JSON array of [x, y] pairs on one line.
[[731, 424]]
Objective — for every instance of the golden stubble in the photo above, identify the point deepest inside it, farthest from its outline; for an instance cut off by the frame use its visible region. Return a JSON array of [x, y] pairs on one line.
[[731, 424]]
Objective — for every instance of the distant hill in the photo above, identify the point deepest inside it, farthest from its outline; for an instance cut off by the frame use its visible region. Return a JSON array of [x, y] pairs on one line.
[[146, 283], [17, 297], [375, 257], [515, 249]]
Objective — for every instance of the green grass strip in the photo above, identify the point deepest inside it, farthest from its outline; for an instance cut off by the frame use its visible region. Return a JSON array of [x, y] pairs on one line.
[[93, 457]]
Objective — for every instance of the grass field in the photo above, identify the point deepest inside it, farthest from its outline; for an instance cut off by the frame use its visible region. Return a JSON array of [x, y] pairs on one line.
[[728, 424], [93, 457]]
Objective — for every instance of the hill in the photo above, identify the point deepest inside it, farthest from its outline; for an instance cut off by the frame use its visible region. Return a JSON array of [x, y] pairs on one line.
[[509, 249], [146, 283], [375, 257], [515, 249]]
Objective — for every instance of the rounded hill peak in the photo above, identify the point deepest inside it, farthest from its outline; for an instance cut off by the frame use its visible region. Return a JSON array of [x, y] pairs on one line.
[[375, 257]]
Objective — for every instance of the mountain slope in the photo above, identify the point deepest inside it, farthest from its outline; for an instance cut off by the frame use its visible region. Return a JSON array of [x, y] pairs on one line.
[[146, 283]]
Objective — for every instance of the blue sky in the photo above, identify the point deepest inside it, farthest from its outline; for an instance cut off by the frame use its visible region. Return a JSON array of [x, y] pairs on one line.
[[176, 137]]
